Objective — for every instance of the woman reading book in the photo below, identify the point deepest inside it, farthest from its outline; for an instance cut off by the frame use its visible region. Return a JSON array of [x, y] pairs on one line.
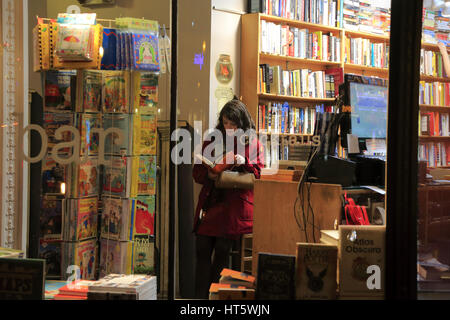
[[223, 215]]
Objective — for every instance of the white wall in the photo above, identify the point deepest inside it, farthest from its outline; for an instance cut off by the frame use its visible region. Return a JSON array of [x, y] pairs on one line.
[[225, 39]]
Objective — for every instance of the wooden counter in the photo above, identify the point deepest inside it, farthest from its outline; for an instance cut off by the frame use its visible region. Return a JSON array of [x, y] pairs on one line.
[[275, 229]]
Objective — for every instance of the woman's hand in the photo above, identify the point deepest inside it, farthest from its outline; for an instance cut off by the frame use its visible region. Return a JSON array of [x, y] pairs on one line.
[[212, 175]]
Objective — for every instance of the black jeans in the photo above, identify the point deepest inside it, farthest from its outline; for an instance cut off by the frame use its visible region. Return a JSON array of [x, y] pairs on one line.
[[208, 267]]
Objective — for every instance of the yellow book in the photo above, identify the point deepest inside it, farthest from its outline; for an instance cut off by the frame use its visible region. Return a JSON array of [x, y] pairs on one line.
[[41, 45], [144, 133], [319, 44], [442, 94], [433, 64], [143, 177], [144, 91]]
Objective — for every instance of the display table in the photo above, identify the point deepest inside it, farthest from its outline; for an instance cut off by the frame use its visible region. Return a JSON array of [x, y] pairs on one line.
[[275, 228]]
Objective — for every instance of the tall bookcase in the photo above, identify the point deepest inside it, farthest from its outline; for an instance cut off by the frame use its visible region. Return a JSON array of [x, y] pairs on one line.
[[252, 57]]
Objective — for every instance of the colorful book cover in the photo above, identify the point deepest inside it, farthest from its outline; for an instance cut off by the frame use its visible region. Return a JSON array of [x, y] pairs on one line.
[[316, 271], [91, 91], [143, 255], [116, 92], [57, 91], [87, 216], [50, 251], [115, 222], [86, 258], [51, 217], [145, 90], [144, 134], [74, 42], [145, 51], [52, 288], [41, 45], [109, 59], [144, 175], [115, 176], [143, 216], [53, 175], [121, 122], [88, 178], [115, 257], [89, 139], [52, 122]]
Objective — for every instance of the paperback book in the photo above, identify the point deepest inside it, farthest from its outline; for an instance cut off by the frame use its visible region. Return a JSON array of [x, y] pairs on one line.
[[145, 92], [57, 91], [143, 255], [51, 217], [89, 139], [53, 176], [144, 133], [117, 176], [115, 257], [83, 255], [116, 220], [89, 97], [80, 219], [120, 122], [143, 215], [116, 91], [84, 178], [50, 251], [52, 122], [316, 272], [144, 175], [145, 49], [275, 277], [109, 59]]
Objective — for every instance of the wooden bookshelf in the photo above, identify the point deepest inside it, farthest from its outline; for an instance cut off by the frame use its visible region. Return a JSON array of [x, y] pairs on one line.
[[271, 97], [434, 137], [284, 134], [298, 23], [366, 35], [427, 78], [434, 108], [272, 58]]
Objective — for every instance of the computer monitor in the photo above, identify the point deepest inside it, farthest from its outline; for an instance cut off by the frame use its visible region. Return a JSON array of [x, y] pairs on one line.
[[369, 110]]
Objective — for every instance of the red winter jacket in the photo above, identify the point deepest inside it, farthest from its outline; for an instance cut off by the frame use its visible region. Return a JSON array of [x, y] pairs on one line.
[[227, 212]]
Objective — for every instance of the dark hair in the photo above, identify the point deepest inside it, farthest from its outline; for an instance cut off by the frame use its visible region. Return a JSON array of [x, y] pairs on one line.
[[236, 111]]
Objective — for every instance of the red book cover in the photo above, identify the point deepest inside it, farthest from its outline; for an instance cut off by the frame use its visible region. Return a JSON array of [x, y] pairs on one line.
[[447, 94], [338, 74], [76, 288], [448, 154], [68, 297], [436, 124]]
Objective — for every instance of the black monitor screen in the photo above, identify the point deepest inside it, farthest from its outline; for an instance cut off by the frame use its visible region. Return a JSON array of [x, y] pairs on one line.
[[369, 110]]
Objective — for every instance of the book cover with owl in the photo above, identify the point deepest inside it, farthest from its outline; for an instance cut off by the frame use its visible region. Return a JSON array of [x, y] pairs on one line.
[[316, 271], [144, 175], [145, 48], [361, 261], [144, 133], [145, 92], [116, 92], [143, 215], [90, 91]]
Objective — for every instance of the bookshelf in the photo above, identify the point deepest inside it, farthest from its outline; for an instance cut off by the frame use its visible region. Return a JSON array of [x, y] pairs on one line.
[[253, 57]]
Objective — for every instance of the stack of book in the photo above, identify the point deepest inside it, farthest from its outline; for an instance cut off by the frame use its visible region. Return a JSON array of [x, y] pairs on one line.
[[218, 290], [233, 285], [350, 15], [11, 253], [75, 290], [124, 287]]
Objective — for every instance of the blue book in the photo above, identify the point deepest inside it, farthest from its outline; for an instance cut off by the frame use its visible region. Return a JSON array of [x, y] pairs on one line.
[[145, 48], [109, 60]]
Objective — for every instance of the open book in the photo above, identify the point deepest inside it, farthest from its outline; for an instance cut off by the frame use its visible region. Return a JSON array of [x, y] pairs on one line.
[[222, 163]]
